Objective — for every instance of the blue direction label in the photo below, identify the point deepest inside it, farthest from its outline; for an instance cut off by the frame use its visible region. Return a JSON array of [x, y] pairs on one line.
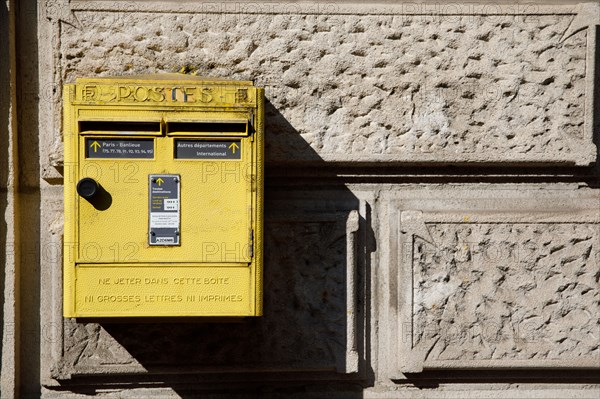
[[208, 149], [119, 148]]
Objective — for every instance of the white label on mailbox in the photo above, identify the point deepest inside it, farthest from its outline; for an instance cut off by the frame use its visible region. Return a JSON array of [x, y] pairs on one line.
[[160, 220], [164, 216], [171, 205]]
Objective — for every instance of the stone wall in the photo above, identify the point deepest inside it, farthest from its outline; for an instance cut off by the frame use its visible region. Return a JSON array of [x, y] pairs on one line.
[[432, 212], [373, 88]]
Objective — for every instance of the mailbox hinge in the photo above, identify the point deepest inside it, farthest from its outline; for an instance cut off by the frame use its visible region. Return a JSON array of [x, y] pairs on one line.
[[251, 243], [251, 127]]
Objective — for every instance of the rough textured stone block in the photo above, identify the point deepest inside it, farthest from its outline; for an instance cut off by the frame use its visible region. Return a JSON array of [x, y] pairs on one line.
[[374, 88], [501, 283], [307, 324], [507, 291]]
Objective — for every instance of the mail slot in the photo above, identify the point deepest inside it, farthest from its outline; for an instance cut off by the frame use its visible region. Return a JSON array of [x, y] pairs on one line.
[[163, 197]]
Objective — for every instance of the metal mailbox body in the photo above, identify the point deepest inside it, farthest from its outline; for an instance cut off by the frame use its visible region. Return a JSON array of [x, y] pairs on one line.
[[167, 218]]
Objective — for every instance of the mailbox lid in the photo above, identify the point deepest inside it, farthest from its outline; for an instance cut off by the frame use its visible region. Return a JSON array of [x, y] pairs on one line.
[[161, 78]]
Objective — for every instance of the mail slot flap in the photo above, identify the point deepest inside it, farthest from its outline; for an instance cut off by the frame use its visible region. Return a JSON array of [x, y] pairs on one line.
[[208, 127], [124, 127]]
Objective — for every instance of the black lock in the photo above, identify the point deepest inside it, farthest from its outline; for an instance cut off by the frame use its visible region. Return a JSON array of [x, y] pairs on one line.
[[87, 188]]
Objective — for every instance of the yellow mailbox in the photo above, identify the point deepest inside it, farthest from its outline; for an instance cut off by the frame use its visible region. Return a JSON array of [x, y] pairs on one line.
[[163, 197]]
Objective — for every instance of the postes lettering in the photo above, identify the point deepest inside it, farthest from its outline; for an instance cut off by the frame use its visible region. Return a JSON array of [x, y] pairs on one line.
[[162, 94]]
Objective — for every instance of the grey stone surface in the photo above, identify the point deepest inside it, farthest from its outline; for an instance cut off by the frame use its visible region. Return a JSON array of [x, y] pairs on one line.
[[495, 88], [304, 327], [508, 291], [9, 254], [354, 84], [494, 278]]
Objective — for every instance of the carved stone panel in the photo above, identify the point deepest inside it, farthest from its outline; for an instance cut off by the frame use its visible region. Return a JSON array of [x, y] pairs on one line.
[[481, 288], [507, 291], [308, 326]]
